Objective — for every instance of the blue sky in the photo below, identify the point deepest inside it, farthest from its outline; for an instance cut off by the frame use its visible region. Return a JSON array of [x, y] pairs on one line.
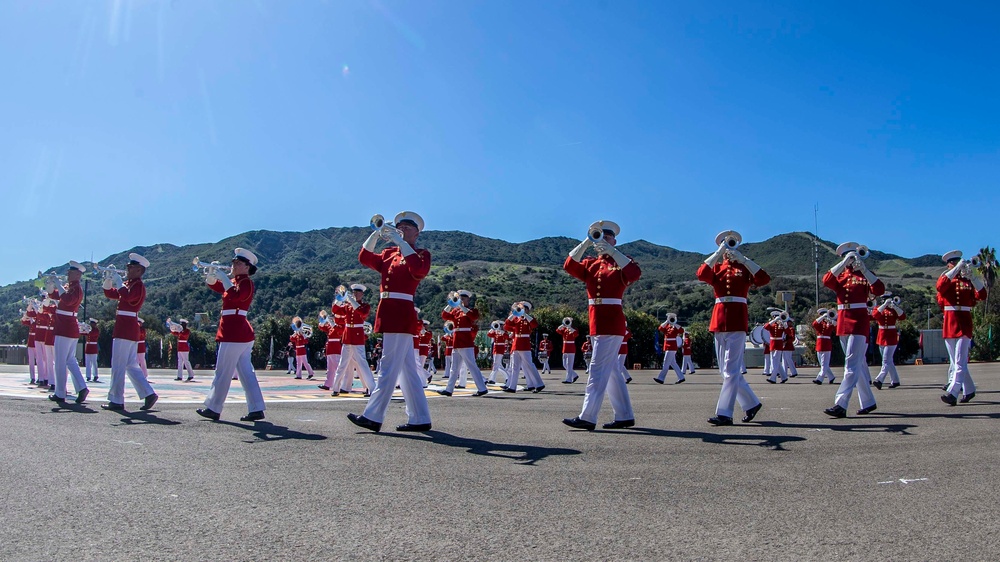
[[135, 122]]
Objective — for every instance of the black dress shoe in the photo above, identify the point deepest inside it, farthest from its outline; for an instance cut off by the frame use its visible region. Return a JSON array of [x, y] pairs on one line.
[[772, 382], [364, 422], [750, 414], [567, 382], [480, 393], [657, 381], [508, 389], [720, 420], [628, 380], [539, 389], [82, 395], [324, 387], [96, 380], [444, 393], [836, 412], [575, 377], [791, 376], [206, 413], [414, 427], [893, 385], [529, 389], [949, 399], [619, 424], [967, 397], [149, 401], [334, 394], [55, 398], [112, 406], [867, 410], [877, 384], [944, 387], [783, 381], [253, 416], [817, 381], [580, 424], [456, 386], [679, 381], [833, 380]]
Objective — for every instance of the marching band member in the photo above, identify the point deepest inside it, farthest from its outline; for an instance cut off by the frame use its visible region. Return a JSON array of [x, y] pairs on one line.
[[140, 352], [731, 274], [300, 340], [28, 319], [130, 294], [569, 335], [49, 306], [853, 282], [182, 333], [766, 350], [351, 314], [670, 330], [67, 333], [544, 351], [332, 349], [776, 331], [41, 323], [449, 347], [90, 351], [465, 318], [235, 338], [825, 330], [500, 339], [687, 366], [958, 289], [606, 277], [426, 340], [587, 349], [520, 324], [788, 352], [401, 268], [886, 316], [623, 356], [290, 356]]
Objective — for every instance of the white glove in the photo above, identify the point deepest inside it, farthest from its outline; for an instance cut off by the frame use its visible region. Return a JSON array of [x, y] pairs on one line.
[[842, 265], [226, 282], [116, 281], [577, 253], [211, 278], [621, 259], [463, 309], [749, 263], [371, 241], [60, 289], [404, 246], [716, 257], [871, 277], [953, 272], [884, 305], [528, 317], [602, 248], [108, 283], [351, 300], [978, 281]]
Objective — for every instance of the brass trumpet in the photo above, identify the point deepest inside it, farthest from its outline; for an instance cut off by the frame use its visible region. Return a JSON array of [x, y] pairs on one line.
[[340, 294], [567, 321]]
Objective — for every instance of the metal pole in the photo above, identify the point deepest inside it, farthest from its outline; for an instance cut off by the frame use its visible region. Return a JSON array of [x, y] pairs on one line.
[[816, 248]]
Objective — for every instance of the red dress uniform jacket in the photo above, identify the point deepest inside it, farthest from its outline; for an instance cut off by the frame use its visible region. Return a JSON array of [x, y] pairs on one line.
[[623, 349], [299, 341], [604, 281], [852, 297], [233, 324], [182, 340], [500, 339], [789, 338], [42, 325], [686, 347], [30, 323], [353, 321], [50, 333], [334, 337], [670, 333], [730, 283], [130, 298], [569, 338], [824, 335], [92, 337], [141, 348], [888, 334], [585, 347], [426, 341], [69, 301], [520, 332], [464, 324], [777, 333], [399, 276], [449, 344], [957, 297], [545, 346]]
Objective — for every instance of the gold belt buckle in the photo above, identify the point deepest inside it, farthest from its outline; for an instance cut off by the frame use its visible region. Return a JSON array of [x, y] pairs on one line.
[[598, 300], [384, 294]]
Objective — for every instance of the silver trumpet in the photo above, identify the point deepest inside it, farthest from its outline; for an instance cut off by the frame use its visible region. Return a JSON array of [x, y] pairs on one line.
[[567, 321], [53, 275], [862, 251], [731, 242], [453, 299], [210, 268], [497, 325], [340, 294], [517, 310], [323, 317], [367, 327], [974, 261], [449, 327], [379, 223], [595, 231], [108, 270]]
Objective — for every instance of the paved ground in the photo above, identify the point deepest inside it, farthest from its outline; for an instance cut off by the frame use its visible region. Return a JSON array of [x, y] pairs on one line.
[[500, 478]]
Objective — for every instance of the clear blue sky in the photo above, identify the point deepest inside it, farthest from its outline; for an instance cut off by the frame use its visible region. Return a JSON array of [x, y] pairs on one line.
[[135, 122]]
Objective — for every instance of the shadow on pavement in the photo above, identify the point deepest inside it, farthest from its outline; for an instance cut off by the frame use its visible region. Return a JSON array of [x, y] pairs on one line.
[[523, 454], [899, 428], [773, 442], [143, 417], [266, 431], [72, 407]]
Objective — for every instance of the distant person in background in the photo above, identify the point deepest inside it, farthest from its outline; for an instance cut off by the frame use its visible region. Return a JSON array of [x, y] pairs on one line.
[[544, 351], [825, 327], [958, 289], [28, 319], [886, 317], [569, 335], [670, 330], [300, 338], [290, 356], [687, 366], [91, 350], [180, 331], [332, 349]]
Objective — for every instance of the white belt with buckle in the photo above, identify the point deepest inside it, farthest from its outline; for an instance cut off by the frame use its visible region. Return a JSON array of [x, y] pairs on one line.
[[822, 337], [958, 308], [600, 300], [730, 299], [463, 329], [232, 311], [523, 335], [881, 327], [127, 313], [391, 295], [852, 305], [354, 325], [65, 312]]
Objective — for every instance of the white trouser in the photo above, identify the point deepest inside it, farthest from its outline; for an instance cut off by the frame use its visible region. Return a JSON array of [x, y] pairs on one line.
[[521, 361], [498, 368], [431, 368], [41, 358], [958, 354], [888, 365], [767, 363], [182, 364], [545, 366], [125, 361], [447, 366], [605, 376], [234, 357], [729, 353], [567, 360], [777, 367], [50, 362], [788, 361], [398, 364], [622, 357], [587, 357], [31, 361], [824, 366], [687, 366], [670, 362], [66, 358], [291, 363], [332, 363], [854, 372], [141, 359], [422, 360], [90, 364], [461, 374], [303, 361], [352, 357], [416, 363], [464, 358]]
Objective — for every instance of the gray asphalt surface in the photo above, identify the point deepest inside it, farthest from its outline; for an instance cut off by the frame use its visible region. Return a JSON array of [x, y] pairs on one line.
[[501, 478]]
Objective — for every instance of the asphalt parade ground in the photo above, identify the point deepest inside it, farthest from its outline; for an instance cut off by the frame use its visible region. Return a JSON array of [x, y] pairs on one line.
[[500, 478]]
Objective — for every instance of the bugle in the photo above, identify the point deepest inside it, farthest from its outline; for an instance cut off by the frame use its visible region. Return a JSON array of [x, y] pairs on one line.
[[567, 321], [210, 268], [497, 325]]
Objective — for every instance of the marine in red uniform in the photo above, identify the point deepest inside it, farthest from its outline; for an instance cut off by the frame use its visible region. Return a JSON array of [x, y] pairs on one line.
[[501, 339], [401, 267], [300, 339], [569, 335], [670, 330], [687, 366], [544, 353], [825, 328], [130, 294], [28, 319], [463, 358], [66, 334], [731, 274], [606, 277], [180, 331], [958, 289], [777, 333], [521, 324], [333, 347], [887, 316], [351, 313]]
